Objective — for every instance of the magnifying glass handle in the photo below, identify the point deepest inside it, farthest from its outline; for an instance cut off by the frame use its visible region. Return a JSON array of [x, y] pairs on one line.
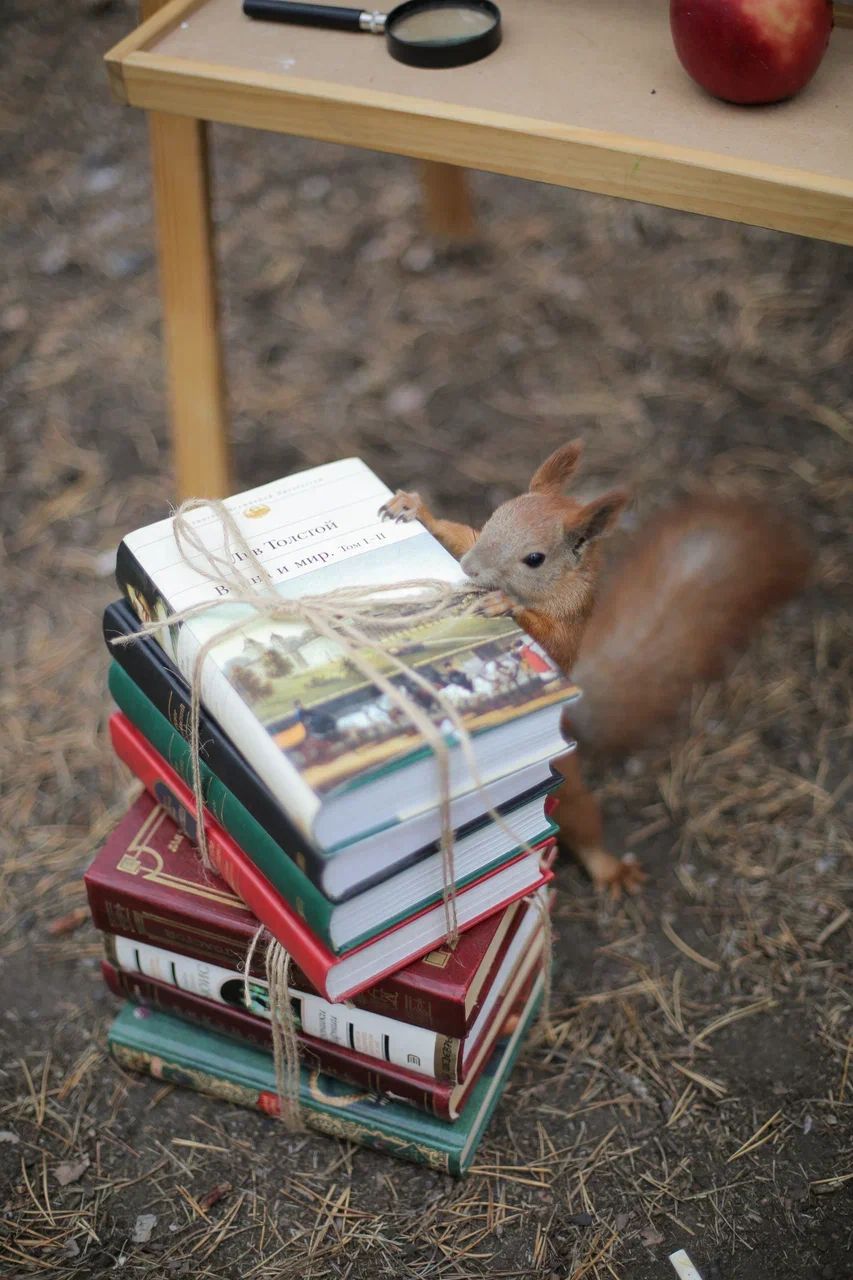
[[311, 15]]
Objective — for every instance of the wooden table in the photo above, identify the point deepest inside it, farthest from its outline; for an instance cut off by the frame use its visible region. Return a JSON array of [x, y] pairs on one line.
[[583, 93]]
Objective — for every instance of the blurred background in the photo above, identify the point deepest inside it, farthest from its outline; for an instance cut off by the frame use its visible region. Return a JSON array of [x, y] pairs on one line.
[[687, 353]]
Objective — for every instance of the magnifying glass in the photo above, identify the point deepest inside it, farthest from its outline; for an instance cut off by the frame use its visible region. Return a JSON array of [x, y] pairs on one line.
[[421, 33]]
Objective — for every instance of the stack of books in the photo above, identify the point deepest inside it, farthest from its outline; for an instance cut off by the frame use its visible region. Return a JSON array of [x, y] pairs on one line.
[[322, 822]]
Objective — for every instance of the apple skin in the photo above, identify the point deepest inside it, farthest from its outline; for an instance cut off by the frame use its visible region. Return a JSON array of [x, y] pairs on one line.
[[751, 51]]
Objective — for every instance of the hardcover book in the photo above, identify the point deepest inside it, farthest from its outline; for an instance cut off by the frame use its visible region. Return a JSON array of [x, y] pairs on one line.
[[336, 976], [341, 925], [374, 1036], [177, 1052], [339, 875], [147, 883], [333, 750]]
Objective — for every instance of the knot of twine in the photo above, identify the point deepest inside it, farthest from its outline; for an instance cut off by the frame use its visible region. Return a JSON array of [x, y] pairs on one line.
[[356, 618]]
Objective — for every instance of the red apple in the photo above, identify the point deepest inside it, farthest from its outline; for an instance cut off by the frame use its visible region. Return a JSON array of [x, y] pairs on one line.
[[751, 50]]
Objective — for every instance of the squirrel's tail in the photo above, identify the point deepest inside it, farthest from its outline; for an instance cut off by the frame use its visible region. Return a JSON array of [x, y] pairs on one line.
[[688, 595]]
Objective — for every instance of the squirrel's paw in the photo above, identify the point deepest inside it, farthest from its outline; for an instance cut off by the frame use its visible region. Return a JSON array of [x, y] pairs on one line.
[[494, 604], [614, 875], [402, 508]]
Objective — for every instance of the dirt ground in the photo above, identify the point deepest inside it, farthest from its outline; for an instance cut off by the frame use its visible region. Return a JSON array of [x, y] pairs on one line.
[[699, 1091]]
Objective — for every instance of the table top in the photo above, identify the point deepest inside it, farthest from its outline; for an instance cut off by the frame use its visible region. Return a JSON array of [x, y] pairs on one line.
[[584, 93]]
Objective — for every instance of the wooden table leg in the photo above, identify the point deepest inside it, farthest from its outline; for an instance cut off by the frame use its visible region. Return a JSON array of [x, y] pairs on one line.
[[190, 317], [447, 195]]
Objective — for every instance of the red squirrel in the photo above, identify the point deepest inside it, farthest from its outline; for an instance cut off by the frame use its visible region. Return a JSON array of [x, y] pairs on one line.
[[693, 586]]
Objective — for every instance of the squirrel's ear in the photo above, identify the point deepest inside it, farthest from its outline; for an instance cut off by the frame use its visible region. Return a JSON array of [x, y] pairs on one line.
[[596, 519], [558, 469]]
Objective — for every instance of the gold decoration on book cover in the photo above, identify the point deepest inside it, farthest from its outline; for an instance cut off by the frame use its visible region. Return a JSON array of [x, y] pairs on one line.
[[133, 863]]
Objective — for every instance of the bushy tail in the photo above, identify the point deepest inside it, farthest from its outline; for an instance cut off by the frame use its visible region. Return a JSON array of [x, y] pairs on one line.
[[688, 595]]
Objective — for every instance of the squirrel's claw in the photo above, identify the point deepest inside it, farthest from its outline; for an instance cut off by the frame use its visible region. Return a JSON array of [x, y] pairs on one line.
[[494, 604], [613, 875], [402, 508], [626, 875]]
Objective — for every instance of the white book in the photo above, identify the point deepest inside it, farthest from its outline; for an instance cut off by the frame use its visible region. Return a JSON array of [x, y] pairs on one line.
[[340, 759]]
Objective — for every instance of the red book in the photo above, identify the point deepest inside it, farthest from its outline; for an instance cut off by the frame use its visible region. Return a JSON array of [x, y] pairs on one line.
[[148, 883], [436, 1097]]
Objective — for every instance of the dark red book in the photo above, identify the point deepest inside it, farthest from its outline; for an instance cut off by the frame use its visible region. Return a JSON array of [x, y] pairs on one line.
[[148, 883], [440, 1099]]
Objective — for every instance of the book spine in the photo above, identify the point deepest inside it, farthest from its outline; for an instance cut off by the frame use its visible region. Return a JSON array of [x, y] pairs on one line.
[[219, 1086], [158, 995], [117, 912], [149, 667], [376, 1037], [280, 870], [315, 1054]]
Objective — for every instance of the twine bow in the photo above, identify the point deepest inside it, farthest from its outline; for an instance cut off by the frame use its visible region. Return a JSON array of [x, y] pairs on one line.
[[355, 618]]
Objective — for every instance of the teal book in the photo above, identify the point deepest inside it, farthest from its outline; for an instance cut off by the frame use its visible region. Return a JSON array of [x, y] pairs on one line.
[[174, 1051], [342, 926]]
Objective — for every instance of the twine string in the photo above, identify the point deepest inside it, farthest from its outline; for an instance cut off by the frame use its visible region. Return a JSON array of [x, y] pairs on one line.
[[285, 1045], [540, 901]]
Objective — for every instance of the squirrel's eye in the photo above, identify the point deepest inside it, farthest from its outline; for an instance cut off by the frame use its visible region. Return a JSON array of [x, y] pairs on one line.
[[534, 560]]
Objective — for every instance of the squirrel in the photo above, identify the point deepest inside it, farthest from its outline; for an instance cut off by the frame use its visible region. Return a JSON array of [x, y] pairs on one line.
[[692, 588]]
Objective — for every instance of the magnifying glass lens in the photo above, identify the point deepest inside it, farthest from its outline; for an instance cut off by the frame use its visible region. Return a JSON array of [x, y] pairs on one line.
[[441, 33], [438, 24]]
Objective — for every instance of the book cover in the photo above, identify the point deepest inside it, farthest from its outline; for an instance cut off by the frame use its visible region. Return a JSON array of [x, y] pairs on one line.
[[344, 924], [148, 883], [149, 668], [172, 1050], [294, 704], [337, 977], [342, 927]]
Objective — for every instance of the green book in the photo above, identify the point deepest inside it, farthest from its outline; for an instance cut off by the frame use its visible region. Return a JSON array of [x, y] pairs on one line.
[[172, 1050], [342, 926]]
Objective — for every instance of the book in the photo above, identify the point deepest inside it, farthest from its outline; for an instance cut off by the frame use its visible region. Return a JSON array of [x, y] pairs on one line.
[[335, 976], [383, 1039], [332, 749], [345, 924], [148, 883], [179, 1053], [388, 1079], [337, 877]]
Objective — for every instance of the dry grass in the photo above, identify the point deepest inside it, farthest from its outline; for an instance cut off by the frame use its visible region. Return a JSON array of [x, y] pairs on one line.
[[698, 1091]]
